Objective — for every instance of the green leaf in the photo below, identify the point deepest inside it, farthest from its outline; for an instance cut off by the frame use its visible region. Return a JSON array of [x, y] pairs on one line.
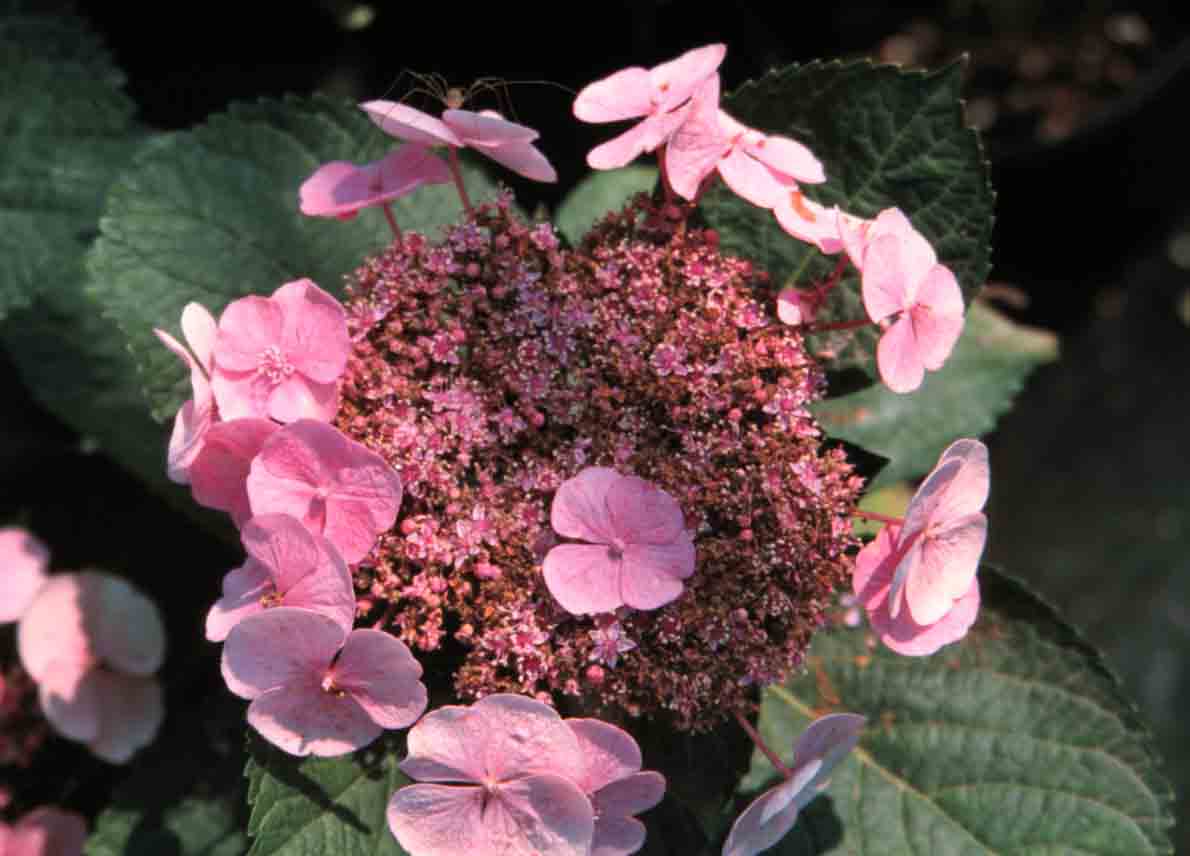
[[212, 215], [315, 806], [964, 398], [1015, 740], [887, 137], [599, 193], [67, 128]]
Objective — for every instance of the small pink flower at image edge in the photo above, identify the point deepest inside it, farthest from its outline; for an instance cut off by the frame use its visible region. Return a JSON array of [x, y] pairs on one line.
[[316, 689], [638, 549]]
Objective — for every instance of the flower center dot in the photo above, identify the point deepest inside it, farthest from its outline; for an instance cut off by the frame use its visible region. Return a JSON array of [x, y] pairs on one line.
[[272, 364]]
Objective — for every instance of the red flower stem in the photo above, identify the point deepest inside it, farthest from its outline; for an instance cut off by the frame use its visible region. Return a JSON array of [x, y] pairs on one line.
[[392, 221], [457, 174], [833, 280], [755, 737], [881, 518], [839, 325]]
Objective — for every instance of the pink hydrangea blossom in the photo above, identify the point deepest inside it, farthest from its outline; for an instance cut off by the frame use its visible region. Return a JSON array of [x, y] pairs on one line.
[[92, 643], [902, 281], [280, 357], [340, 188], [338, 488], [196, 416], [486, 131], [639, 550], [513, 764], [317, 689], [45, 831], [661, 95], [763, 169], [287, 566], [23, 564], [219, 473], [826, 742], [618, 789]]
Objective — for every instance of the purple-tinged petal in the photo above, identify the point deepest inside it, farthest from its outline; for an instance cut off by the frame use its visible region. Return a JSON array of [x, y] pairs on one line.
[[523, 159], [438, 820], [525, 736], [68, 694], [303, 719], [609, 753], [630, 795], [642, 513], [652, 574], [381, 674], [580, 506], [279, 647], [584, 578], [124, 626], [539, 814], [131, 710], [949, 561], [617, 836], [409, 124], [446, 745]]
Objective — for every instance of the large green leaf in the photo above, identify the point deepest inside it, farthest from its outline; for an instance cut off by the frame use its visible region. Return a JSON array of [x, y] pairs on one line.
[[599, 193], [1016, 740], [887, 137], [316, 806], [964, 398], [67, 128], [212, 215]]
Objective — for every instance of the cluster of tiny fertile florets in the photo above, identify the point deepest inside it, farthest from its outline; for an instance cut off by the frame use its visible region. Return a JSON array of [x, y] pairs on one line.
[[492, 366]]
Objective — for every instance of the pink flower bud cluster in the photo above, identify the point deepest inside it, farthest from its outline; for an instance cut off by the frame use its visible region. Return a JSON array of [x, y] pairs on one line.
[[492, 367]]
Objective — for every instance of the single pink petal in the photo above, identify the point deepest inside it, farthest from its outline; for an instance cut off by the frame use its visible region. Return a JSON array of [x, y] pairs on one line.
[[303, 719], [52, 631], [523, 159], [938, 316], [46, 831], [956, 487], [787, 156], [283, 547], [808, 221], [652, 573], [525, 736], [439, 820], [406, 123], [584, 578], [314, 334], [642, 513], [917, 255], [124, 626], [131, 710], [279, 647], [340, 189], [853, 233], [486, 129], [23, 564], [630, 795], [298, 398], [446, 745], [242, 395], [623, 95], [884, 284], [247, 327], [642, 137], [219, 474], [676, 80], [333, 189], [898, 359], [186, 440], [580, 510], [750, 179], [949, 561], [617, 836], [609, 753], [68, 694], [201, 332], [243, 589], [826, 741], [381, 674], [538, 814], [699, 144], [765, 821]]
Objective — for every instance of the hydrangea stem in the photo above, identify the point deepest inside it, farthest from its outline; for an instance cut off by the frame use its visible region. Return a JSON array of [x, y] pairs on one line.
[[392, 221], [755, 737], [457, 174], [880, 518]]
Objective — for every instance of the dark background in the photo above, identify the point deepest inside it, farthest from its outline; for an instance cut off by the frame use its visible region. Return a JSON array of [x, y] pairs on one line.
[[1090, 499]]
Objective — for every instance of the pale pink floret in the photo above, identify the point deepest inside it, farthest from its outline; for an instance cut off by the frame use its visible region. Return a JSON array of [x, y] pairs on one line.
[[762, 168], [902, 281], [196, 416], [45, 831], [826, 742], [23, 564], [219, 474], [616, 786], [486, 131], [661, 95], [513, 763], [280, 357], [316, 689], [337, 487], [92, 642], [638, 552], [340, 188], [287, 566]]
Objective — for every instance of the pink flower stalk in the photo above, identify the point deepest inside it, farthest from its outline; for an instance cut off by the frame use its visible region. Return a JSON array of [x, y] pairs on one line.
[[45, 831], [661, 95], [219, 474], [618, 789], [280, 357], [902, 281], [23, 563], [762, 169], [639, 550], [196, 416], [338, 488], [514, 764], [826, 742], [918, 580], [92, 643], [487, 132], [317, 689], [286, 566], [340, 188]]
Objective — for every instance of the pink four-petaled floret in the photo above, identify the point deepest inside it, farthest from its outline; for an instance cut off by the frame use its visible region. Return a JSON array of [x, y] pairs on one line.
[[769, 817], [341, 189], [639, 550], [317, 689]]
